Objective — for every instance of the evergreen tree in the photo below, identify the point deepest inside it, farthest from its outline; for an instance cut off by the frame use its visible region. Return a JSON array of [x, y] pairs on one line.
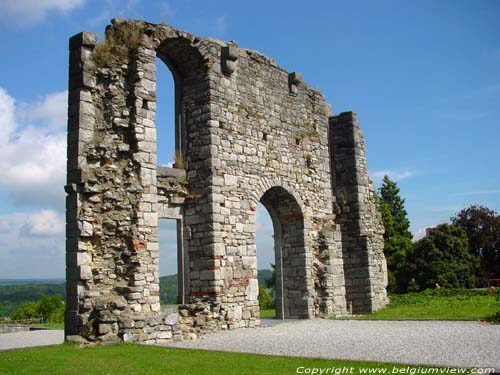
[[271, 281], [397, 237], [443, 257]]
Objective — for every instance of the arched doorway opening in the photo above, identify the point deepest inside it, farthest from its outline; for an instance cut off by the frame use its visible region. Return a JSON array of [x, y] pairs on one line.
[[291, 291], [266, 262]]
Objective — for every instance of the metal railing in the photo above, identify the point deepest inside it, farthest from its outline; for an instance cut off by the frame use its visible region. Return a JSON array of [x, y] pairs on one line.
[[29, 321], [493, 282]]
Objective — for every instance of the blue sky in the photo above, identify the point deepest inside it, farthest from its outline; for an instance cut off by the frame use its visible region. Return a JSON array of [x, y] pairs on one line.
[[423, 76]]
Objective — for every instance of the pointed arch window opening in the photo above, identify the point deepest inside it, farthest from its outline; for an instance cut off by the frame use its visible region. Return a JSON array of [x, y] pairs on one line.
[[169, 101]]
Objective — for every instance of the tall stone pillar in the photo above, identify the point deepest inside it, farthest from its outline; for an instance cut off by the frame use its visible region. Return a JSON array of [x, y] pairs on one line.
[[365, 266], [81, 118]]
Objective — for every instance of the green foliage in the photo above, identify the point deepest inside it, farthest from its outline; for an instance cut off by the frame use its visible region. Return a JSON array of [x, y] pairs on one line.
[[412, 286], [267, 313], [495, 318], [120, 42], [266, 302], [440, 304], [263, 276], [145, 359], [427, 294], [13, 296], [27, 311], [267, 284], [482, 227], [443, 257], [168, 289], [397, 236], [50, 308], [271, 280]]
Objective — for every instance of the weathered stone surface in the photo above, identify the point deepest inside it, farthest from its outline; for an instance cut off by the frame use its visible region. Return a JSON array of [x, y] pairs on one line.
[[362, 229], [247, 132]]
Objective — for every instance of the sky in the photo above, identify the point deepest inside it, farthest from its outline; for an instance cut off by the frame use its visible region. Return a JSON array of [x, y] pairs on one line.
[[423, 76]]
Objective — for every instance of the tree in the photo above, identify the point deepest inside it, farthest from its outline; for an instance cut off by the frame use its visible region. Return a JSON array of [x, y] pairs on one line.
[[51, 308], [482, 227], [271, 281], [266, 302], [443, 257], [397, 236], [27, 310]]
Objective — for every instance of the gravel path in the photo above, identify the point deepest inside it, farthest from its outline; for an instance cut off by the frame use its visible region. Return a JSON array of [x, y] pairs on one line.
[[28, 339], [459, 344], [450, 343]]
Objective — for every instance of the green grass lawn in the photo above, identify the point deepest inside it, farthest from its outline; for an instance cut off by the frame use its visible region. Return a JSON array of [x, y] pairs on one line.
[[440, 304], [270, 313], [49, 325], [123, 359]]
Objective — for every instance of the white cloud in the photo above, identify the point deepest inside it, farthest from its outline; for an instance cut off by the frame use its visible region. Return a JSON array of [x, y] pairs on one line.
[[167, 241], [220, 25], [26, 250], [263, 220], [264, 238], [419, 233], [51, 111], [27, 13], [9, 223], [33, 150], [117, 9], [166, 10], [393, 175], [445, 209], [7, 123], [45, 223], [478, 192]]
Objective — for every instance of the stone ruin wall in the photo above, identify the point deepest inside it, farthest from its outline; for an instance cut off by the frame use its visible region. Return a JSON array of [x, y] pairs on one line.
[[249, 132]]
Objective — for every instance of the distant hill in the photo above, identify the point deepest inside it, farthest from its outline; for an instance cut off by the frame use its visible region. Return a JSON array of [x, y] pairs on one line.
[[31, 281], [15, 292], [168, 289], [13, 296]]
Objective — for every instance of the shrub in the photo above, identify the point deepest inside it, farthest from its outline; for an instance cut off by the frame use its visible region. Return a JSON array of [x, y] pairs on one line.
[[266, 302], [120, 41], [495, 318], [26, 311], [51, 308]]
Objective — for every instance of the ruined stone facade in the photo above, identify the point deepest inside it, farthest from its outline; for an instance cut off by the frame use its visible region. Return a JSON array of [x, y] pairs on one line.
[[247, 131]]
